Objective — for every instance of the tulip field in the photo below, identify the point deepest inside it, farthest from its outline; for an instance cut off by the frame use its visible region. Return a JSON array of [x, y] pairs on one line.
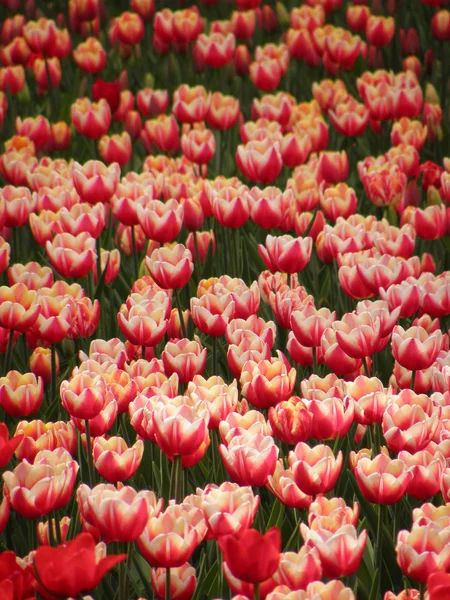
[[225, 299]]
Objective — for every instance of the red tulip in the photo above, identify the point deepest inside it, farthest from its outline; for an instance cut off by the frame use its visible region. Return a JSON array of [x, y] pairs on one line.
[[438, 586], [74, 567], [251, 556], [7, 446]]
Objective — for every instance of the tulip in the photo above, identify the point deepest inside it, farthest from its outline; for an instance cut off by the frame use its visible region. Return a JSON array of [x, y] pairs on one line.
[[83, 396], [91, 119], [260, 161], [422, 551], [205, 243], [171, 268], [335, 357], [380, 30], [266, 74], [211, 313], [190, 104], [43, 531], [21, 395], [163, 132], [73, 568], [230, 206], [350, 118], [44, 436], [160, 221], [37, 129], [36, 489], [198, 145], [283, 486], [40, 35], [72, 256], [115, 148], [414, 348], [19, 308], [242, 60], [251, 556], [114, 460], [12, 78], [182, 582], [110, 90], [286, 253], [169, 539], [291, 421], [440, 25], [315, 470], [90, 55], [179, 430], [145, 322], [228, 508], [266, 383], [409, 423], [427, 469], [251, 422], [7, 446], [130, 28], [428, 223], [44, 80], [215, 50], [438, 585], [250, 459], [340, 552], [223, 111], [119, 515], [221, 399], [94, 181], [309, 324], [382, 480], [151, 102], [186, 358], [187, 25]]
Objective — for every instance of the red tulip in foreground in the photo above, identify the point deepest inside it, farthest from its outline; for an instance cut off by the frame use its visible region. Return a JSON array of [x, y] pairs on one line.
[[438, 586], [251, 556], [73, 568]]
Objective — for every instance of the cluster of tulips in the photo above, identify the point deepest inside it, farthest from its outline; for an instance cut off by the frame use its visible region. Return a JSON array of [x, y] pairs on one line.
[[225, 300]]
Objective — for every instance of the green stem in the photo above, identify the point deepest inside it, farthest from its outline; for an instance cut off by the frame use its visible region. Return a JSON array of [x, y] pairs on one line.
[[89, 454], [314, 357], [366, 366], [214, 355], [90, 285], [58, 528], [180, 312], [123, 571], [53, 373], [99, 260], [196, 250], [413, 380], [50, 91], [9, 351], [422, 589], [51, 537], [168, 594], [256, 594], [135, 256], [176, 480], [236, 249], [379, 546]]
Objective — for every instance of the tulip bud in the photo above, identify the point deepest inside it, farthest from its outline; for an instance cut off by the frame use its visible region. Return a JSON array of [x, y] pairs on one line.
[[282, 15]]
